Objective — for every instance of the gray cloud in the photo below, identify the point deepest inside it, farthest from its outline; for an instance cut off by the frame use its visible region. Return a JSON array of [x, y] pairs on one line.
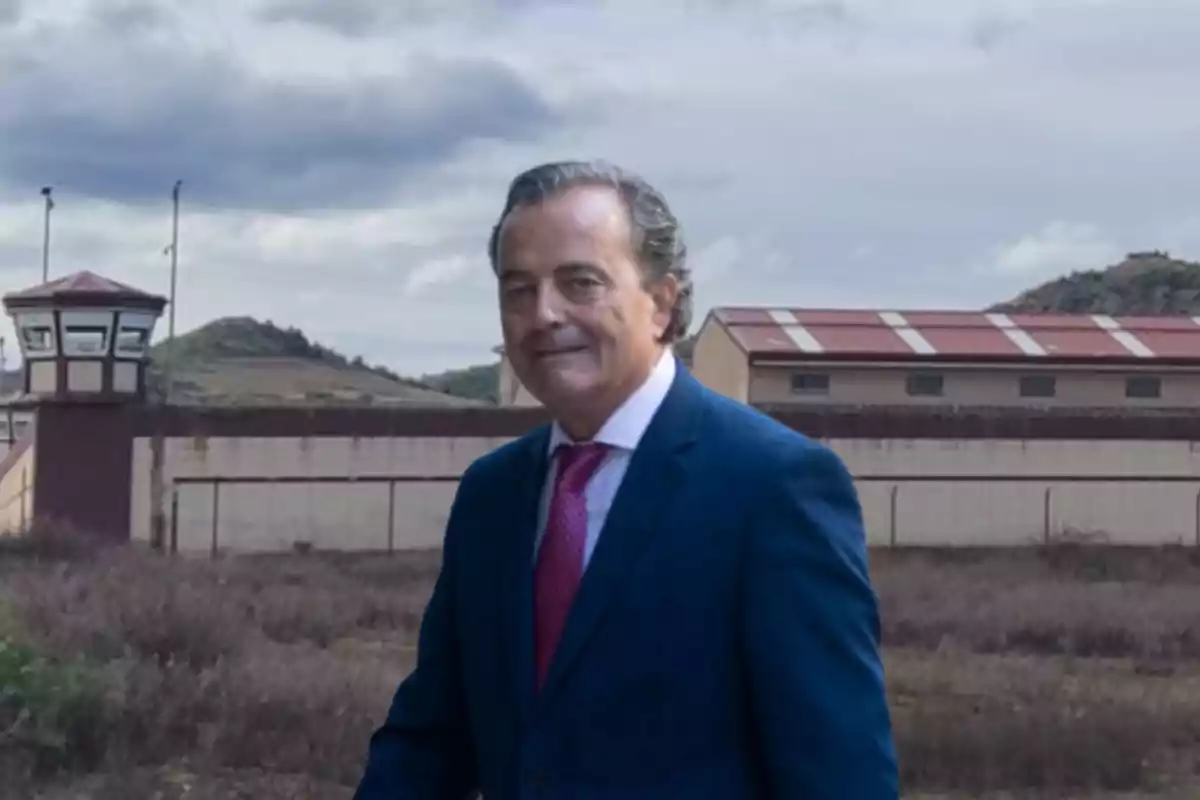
[[860, 153], [348, 17], [10, 12], [359, 18], [993, 30], [127, 16], [124, 123], [362, 18]]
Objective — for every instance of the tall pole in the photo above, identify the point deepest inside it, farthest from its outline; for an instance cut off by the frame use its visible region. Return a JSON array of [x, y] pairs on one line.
[[168, 367], [46, 191], [158, 514]]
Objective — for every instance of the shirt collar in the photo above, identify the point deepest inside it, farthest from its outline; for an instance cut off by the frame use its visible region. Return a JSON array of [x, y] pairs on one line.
[[624, 429]]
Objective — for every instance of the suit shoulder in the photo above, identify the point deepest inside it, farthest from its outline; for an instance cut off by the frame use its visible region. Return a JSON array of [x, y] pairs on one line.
[[746, 430], [508, 456]]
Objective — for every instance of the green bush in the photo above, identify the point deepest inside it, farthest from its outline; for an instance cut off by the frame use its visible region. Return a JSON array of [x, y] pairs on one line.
[[50, 713]]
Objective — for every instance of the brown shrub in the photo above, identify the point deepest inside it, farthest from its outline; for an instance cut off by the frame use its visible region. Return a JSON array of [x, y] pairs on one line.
[[48, 541], [1022, 603], [321, 601], [193, 655], [285, 664], [283, 709], [182, 781], [966, 722], [1041, 747], [131, 603], [317, 721]]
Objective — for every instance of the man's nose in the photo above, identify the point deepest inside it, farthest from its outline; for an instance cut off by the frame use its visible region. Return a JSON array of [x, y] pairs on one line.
[[549, 309]]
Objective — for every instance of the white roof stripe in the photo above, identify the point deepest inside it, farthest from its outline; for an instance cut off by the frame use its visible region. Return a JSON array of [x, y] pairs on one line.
[[795, 331], [803, 339], [1125, 338], [911, 336], [1132, 343], [1018, 336]]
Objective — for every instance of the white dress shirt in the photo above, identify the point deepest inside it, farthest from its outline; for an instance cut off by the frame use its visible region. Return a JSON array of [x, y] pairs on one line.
[[622, 432]]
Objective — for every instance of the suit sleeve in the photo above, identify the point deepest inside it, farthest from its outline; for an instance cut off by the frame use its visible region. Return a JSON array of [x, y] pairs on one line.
[[422, 751], [812, 632]]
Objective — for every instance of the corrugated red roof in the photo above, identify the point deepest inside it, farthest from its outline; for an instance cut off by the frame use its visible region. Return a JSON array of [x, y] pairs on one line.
[[748, 316], [856, 339], [859, 334]]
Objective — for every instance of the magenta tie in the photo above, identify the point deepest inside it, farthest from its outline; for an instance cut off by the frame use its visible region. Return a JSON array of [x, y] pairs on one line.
[[559, 567]]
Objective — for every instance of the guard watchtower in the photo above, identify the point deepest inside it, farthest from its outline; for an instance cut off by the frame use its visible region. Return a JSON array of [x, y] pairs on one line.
[[84, 338]]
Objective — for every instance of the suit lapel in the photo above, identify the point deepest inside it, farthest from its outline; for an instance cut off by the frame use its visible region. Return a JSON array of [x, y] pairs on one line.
[[642, 503], [517, 592]]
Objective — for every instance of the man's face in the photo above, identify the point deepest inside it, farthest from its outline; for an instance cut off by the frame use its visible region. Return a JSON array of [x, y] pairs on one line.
[[581, 328]]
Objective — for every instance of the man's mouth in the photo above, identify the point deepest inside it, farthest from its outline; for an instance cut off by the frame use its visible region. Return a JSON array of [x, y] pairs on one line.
[[560, 351]]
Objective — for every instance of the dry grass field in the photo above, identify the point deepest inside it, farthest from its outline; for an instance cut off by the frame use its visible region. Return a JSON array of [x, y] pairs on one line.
[[1060, 673]]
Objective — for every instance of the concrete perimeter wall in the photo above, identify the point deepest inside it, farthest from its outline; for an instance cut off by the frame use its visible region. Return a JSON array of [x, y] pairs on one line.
[[331, 493], [16, 487], [270, 494], [376, 479]]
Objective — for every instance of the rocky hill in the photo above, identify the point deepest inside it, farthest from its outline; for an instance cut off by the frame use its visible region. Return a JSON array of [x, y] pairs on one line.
[[1148, 283]]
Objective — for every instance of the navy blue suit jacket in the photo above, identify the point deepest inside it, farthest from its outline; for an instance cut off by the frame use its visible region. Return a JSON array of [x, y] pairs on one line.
[[724, 642]]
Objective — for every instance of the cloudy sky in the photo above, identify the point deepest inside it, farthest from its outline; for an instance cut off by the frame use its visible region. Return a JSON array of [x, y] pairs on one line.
[[343, 161]]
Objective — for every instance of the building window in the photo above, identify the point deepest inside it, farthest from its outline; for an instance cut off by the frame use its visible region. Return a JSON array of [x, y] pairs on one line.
[[810, 383], [925, 385], [1038, 386], [1143, 388]]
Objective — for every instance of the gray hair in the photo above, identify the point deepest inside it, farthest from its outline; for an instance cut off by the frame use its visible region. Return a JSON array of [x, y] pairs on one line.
[[658, 239]]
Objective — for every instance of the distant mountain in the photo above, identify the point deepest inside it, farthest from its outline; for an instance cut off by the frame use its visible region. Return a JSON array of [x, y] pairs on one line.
[[480, 382], [244, 361], [1148, 283], [246, 337]]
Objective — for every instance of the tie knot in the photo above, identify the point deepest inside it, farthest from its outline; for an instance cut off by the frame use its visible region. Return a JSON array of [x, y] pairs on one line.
[[578, 462]]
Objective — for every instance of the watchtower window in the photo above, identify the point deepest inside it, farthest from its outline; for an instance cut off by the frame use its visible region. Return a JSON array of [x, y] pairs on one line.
[[132, 341], [37, 339], [85, 340]]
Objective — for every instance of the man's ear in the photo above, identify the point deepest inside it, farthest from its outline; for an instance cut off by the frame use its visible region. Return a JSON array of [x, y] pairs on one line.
[[665, 293]]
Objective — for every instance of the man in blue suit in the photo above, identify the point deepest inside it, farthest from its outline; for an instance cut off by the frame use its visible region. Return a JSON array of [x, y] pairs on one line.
[[662, 595]]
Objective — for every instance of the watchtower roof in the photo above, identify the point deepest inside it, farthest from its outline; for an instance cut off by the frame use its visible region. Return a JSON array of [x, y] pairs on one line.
[[82, 290]]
